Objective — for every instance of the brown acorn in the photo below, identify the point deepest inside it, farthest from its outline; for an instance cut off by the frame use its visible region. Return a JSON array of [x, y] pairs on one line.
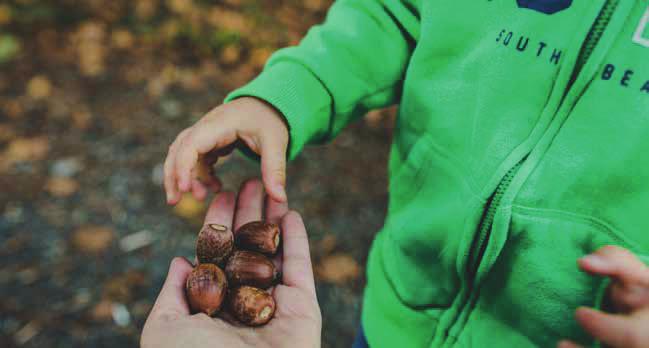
[[259, 236], [214, 244], [251, 306], [251, 268], [206, 288]]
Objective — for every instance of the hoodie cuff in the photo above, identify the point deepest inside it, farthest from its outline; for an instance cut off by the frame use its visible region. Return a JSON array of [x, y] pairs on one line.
[[298, 95]]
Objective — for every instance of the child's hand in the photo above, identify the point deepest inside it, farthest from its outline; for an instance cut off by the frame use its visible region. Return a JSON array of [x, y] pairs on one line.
[[628, 294], [196, 148]]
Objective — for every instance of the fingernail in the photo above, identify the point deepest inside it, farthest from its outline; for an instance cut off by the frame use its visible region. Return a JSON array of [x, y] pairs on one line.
[[595, 261]]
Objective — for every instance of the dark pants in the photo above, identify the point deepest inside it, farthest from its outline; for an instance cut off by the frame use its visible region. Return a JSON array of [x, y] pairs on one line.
[[360, 341]]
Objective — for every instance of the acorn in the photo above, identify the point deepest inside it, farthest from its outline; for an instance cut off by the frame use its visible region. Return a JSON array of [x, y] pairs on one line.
[[251, 268], [206, 288], [214, 244], [259, 236], [251, 306]]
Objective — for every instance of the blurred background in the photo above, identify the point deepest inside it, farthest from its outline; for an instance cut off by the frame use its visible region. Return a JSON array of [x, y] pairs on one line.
[[91, 94]]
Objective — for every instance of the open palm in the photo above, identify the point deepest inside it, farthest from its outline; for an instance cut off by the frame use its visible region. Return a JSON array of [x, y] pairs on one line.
[[297, 321]]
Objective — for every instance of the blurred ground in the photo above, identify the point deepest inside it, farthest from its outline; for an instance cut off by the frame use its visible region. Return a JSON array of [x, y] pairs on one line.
[[91, 94]]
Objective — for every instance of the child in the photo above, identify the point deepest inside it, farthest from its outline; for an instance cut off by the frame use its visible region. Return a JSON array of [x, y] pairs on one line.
[[520, 146]]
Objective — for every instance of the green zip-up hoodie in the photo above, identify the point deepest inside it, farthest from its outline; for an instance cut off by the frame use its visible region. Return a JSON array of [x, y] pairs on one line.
[[521, 144]]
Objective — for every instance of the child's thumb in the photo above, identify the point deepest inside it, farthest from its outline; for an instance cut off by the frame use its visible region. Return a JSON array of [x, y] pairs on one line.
[[273, 166]]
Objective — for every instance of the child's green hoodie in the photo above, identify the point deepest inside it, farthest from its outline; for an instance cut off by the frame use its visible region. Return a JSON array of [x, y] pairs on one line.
[[522, 144]]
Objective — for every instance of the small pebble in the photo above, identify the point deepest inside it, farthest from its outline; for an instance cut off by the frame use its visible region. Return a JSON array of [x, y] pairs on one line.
[[66, 167], [157, 174], [121, 316]]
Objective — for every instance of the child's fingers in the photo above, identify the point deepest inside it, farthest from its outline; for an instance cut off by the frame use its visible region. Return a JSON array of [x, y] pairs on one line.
[[185, 161], [214, 184], [612, 329], [170, 184], [618, 263], [275, 210], [249, 203], [568, 344], [273, 166], [630, 288], [198, 190], [170, 179], [296, 263], [203, 138], [205, 172], [627, 298]]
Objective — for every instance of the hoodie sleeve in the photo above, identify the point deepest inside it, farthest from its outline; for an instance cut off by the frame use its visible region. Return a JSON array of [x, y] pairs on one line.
[[355, 61]]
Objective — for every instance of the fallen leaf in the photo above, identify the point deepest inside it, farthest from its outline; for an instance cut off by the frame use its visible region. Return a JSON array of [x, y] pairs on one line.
[[338, 268], [259, 56], [81, 119], [230, 54], [190, 80], [91, 50], [235, 3], [27, 332], [102, 311], [157, 85], [145, 9], [92, 239], [9, 47], [122, 39], [121, 287], [239, 76], [180, 6], [28, 276], [189, 207], [39, 87], [327, 244], [13, 108], [229, 20], [6, 132], [5, 14], [61, 186], [170, 29], [24, 149]]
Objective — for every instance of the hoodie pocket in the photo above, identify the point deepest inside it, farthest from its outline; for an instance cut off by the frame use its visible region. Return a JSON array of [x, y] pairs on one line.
[[535, 285], [429, 203]]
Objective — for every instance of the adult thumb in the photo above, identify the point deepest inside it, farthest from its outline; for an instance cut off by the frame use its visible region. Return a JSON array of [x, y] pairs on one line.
[[172, 295]]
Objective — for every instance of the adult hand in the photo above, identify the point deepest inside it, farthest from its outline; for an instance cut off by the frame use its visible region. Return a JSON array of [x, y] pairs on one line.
[[297, 321]]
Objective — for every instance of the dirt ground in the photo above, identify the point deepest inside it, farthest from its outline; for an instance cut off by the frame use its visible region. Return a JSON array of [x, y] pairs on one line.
[[91, 95]]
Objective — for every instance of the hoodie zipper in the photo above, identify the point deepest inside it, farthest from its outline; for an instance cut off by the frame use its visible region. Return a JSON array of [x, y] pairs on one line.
[[494, 202]]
